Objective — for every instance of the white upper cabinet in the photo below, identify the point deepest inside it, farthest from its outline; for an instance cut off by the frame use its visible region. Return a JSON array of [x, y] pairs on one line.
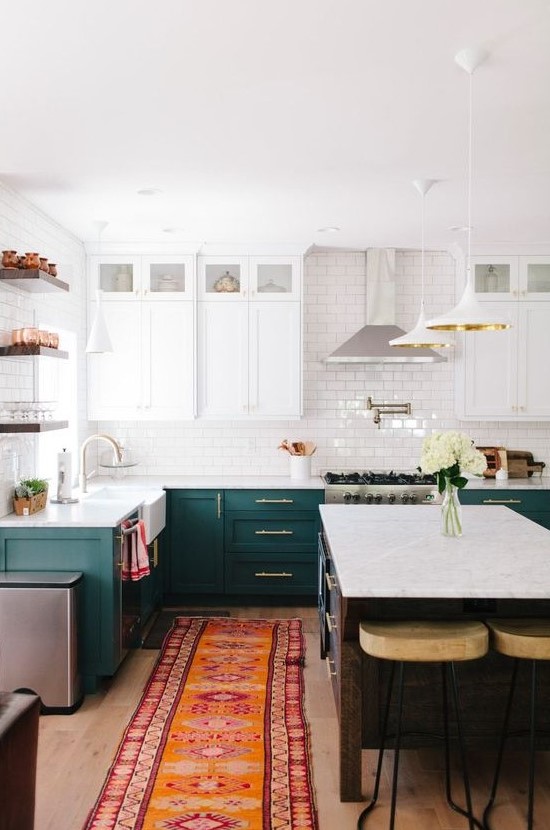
[[275, 278], [147, 303], [249, 337], [158, 278], [500, 375], [504, 278]]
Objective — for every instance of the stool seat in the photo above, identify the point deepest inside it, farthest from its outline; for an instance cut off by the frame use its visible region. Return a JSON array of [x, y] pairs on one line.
[[525, 639], [433, 641]]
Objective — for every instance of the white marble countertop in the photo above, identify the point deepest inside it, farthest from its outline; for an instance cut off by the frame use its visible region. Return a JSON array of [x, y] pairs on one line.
[[533, 483], [92, 511], [399, 551]]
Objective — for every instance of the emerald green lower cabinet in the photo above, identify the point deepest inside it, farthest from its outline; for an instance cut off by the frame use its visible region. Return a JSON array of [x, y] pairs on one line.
[[534, 505], [235, 542], [95, 552], [195, 526]]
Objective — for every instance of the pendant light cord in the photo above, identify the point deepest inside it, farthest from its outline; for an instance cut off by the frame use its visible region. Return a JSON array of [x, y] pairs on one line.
[[470, 146], [422, 257]]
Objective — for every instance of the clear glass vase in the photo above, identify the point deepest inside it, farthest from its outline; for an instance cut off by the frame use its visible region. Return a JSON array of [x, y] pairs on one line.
[[451, 511]]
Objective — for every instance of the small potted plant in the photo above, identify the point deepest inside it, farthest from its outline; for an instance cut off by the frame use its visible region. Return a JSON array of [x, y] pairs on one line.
[[30, 496]]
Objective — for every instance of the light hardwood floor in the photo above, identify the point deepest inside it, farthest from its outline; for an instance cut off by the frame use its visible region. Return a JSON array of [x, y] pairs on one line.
[[75, 753]]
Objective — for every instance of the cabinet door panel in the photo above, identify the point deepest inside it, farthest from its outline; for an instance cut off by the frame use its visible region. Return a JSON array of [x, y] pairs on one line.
[[114, 379], [223, 359], [168, 343], [488, 372], [196, 542], [533, 351], [275, 359]]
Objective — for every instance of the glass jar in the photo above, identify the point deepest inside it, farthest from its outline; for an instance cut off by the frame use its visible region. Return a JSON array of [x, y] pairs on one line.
[[30, 336]]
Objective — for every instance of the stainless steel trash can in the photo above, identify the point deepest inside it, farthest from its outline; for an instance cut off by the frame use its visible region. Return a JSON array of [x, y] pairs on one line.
[[39, 637]]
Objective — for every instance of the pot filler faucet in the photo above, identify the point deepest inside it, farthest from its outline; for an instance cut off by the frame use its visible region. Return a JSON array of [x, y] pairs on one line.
[[83, 475]]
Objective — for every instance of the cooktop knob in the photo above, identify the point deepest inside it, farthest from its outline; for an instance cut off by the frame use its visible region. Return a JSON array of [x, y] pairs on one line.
[[347, 497], [378, 498], [413, 498], [368, 498], [391, 498], [405, 498], [356, 498]]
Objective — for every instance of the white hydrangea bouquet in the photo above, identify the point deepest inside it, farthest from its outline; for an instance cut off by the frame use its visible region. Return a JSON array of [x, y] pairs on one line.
[[447, 455]]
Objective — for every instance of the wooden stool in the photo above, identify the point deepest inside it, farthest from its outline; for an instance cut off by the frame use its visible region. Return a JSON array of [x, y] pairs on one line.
[[522, 640], [444, 642]]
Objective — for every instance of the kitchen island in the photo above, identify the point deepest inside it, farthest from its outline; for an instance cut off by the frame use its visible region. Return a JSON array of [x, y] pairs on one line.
[[391, 562]]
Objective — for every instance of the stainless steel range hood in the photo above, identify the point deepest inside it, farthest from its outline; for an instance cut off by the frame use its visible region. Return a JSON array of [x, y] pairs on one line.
[[371, 343]]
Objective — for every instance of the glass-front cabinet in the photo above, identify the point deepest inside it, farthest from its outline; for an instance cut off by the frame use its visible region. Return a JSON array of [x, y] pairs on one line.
[[275, 278], [512, 277], [156, 278], [223, 278], [266, 278]]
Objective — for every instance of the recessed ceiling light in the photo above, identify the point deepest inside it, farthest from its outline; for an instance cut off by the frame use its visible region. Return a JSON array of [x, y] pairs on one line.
[[461, 228], [329, 229], [173, 230], [149, 191]]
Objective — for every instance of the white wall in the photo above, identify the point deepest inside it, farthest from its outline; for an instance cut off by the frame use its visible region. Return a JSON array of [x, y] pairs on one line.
[[334, 397], [24, 228]]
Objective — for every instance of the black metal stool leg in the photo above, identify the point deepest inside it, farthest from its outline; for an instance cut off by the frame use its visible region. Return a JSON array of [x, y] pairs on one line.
[[468, 813], [503, 738], [397, 744], [533, 715], [381, 751]]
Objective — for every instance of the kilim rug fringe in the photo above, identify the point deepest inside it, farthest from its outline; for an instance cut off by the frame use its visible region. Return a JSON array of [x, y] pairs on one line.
[[219, 740]]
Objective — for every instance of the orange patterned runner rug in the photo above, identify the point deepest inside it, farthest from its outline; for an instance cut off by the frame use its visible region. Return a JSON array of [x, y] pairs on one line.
[[219, 740]]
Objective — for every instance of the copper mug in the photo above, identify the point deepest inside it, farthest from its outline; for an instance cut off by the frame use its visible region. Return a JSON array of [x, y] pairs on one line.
[[44, 264], [43, 337], [30, 336], [31, 260], [10, 259], [17, 337], [52, 269], [53, 340]]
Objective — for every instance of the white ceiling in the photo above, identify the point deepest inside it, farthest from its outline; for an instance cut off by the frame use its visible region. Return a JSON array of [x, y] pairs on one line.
[[263, 122]]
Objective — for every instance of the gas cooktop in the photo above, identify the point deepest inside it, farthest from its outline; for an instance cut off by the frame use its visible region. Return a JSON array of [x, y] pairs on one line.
[[369, 477], [379, 488]]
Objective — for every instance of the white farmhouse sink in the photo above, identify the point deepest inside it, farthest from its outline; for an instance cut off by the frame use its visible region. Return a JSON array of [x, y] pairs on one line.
[[152, 503]]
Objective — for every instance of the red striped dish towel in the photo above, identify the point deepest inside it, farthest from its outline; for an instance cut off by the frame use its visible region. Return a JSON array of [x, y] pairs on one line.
[[135, 559]]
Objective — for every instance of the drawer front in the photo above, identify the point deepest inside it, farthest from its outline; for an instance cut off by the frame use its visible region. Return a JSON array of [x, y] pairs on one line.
[[256, 573], [267, 500], [250, 532], [520, 500]]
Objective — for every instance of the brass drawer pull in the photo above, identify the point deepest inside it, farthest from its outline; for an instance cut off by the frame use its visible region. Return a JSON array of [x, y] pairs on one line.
[[501, 501], [264, 574], [274, 532], [154, 553], [331, 582], [330, 664], [274, 501], [331, 622], [219, 501]]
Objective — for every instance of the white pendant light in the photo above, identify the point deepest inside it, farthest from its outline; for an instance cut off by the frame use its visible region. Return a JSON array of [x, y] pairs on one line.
[[420, 337], [99, 341], [469, 314]]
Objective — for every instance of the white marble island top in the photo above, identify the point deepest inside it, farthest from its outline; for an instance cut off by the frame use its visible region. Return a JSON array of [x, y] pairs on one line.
[[399, 551]]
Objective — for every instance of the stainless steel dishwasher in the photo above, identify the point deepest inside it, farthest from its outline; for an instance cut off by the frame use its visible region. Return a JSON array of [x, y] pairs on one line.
[[38, 637]]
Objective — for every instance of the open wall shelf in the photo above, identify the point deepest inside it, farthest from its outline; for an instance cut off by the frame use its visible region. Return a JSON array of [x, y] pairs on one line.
[[32, 426], [32, 351], [32, 279]]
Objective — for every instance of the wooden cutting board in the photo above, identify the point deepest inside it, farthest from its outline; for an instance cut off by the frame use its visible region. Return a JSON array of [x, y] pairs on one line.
[[521, 464]]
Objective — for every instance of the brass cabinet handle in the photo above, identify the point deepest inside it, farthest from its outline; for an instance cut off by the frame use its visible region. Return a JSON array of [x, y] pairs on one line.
[[274, 532], [331, 582], [274, 501], [330, 664], [154, 558], [219, 499], [263, 574], [501, 501], [331, 622]]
